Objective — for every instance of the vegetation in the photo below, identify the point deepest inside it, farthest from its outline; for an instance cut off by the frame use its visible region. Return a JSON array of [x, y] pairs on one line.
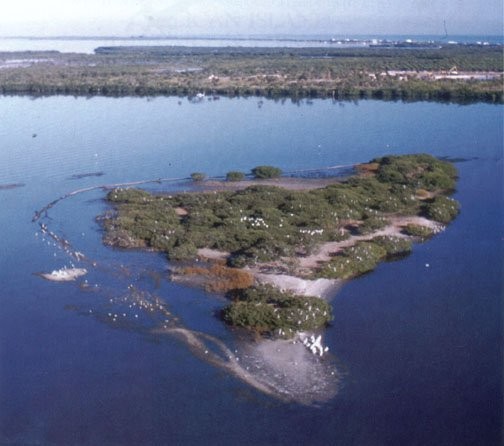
[[419, 231], [266, 172], [394, 246], [217, 278], [378, 73], [372, 224], [235, 176], [267, 310], [265, 223], [354, 261], [198, 176], [365, 256], [442, 209]]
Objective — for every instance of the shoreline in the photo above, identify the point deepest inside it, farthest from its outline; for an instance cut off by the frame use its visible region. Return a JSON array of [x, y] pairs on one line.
[[297, 73]]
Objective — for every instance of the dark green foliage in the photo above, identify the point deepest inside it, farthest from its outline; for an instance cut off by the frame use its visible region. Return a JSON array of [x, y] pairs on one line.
[[418, 171], [267, 223], [235, 176], [266, 172], [198, 176], [183, 251], [354, 261], [372, 224], [266, 309], [394, 246], [413, 230], [442, 209]]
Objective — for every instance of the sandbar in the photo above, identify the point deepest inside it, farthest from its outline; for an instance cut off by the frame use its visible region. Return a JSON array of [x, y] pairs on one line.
[[64, 274]]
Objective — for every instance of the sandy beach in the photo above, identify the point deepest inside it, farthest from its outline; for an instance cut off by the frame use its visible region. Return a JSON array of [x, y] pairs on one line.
[[324, 288]]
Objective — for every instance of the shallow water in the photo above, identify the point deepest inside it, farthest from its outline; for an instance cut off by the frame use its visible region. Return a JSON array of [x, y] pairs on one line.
[[418, 346]]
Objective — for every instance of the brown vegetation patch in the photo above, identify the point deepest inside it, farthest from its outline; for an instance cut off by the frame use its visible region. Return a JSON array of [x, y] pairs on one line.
[[218, 278], [423, 194], [367, 168]]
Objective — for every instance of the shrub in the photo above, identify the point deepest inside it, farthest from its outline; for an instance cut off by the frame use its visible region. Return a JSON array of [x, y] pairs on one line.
[[442, 209], [395, 246], [265, 309], [372, 224], [183, 252], [235, 176], [417, 170], [266, 172], [198, 176], [417, 231], [353, 261], [436, 180]]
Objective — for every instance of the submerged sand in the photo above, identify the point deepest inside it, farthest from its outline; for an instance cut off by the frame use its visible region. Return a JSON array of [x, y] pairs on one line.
[[291, 369], [289, 183]]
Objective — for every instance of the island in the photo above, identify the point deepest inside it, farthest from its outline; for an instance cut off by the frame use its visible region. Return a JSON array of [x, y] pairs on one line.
[[276, 246]]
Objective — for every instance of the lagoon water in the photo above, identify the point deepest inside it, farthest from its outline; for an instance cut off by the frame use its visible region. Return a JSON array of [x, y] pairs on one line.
[[418, 342]]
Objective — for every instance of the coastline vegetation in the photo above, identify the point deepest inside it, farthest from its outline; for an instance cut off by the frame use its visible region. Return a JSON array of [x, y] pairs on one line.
[[262, 223], [198, 176], [266, 172], [364, 256], [421, 232], [235, 176], [267, 310], [340, 74], [269, 225]]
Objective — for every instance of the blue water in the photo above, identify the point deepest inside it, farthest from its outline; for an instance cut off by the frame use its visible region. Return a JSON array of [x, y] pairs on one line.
[[420, 347], [89, 44]]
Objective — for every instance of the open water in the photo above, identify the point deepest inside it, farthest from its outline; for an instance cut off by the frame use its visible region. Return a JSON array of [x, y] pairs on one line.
[[418, 342], [89, 44]]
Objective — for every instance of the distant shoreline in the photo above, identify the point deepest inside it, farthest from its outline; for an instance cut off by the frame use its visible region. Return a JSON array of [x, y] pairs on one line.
[[407, 71]]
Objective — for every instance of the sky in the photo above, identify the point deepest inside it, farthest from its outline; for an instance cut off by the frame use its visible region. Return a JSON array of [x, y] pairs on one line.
[[249, 17]]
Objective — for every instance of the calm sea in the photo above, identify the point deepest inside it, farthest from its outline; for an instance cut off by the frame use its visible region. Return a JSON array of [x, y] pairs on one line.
[[418, 342]]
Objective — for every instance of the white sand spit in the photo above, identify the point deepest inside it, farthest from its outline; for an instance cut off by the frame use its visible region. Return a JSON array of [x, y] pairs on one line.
[[323, 288]]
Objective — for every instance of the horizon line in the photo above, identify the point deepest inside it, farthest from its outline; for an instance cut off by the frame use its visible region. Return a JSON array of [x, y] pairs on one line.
[[258, 36]]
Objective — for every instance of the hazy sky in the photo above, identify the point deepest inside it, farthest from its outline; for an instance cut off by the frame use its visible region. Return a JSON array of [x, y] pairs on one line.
[[219, 17]]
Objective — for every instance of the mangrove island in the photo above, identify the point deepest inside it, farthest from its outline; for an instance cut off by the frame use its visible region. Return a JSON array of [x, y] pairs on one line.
[[273, 245]]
